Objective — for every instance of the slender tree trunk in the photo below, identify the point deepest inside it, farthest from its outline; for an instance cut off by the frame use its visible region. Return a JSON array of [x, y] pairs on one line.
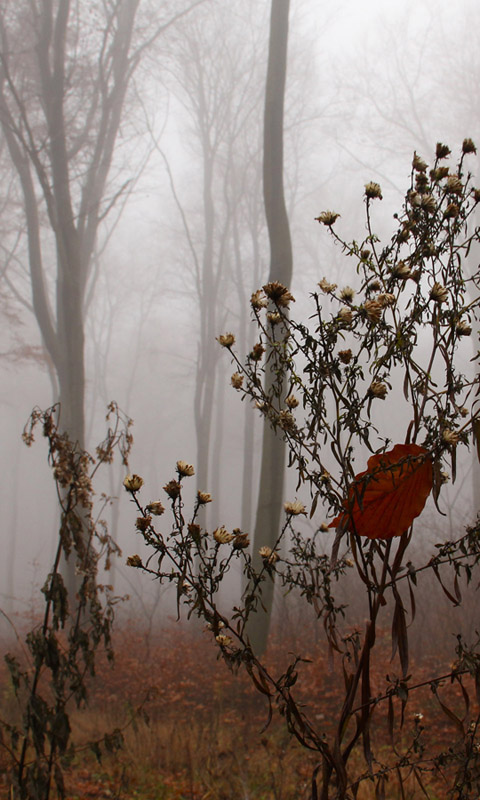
[[269, 506]]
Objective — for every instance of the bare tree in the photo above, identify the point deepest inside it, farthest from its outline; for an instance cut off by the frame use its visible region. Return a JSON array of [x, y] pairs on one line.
[[267, 526]]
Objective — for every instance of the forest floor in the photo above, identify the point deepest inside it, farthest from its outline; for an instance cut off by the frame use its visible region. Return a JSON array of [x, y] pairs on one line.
[[192, 730]]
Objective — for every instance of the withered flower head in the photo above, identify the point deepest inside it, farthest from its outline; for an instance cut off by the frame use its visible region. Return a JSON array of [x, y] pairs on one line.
[[418, 163], [468, 146], [278, 294], [257, 352], [439, 173], [223, 640], [373, 190], [327, 287], [450, 437], [442, 150], [226, 340], [268, 554], [378, 389], [257, 300], [386, 299], [374, 310], [327, 218], [365, 254], [156, 508], [194, 531], [401, 270], [421, 181], [134, 561], [172, 488], [324, 527], [222, 536], [415, 199], [374, 286], [438, 293], [241, 540], [463, 328], [454, 185], [345, 316], [286, 420], [295, 508], [345, 356], [452, 211], [427, 202], [274, 318], [133, 483], [142, 523], [476, 195], [236, 380], [291, 401], [184, 469], [203, 498], [347, 294]]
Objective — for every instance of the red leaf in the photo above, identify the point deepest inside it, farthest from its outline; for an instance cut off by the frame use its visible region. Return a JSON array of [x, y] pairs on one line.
[[384, 500]]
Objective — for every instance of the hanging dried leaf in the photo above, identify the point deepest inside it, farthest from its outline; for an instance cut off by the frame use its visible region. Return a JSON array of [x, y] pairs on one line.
[[384, 500]]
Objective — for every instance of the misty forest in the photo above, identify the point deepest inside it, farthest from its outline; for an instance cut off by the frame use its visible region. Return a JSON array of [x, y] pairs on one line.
[[240, 314]]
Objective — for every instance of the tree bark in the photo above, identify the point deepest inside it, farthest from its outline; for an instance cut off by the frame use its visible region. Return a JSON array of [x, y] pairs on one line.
[[267, 525]]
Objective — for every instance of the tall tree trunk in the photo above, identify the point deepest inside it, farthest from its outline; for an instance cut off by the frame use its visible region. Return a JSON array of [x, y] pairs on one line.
[[269, 506]]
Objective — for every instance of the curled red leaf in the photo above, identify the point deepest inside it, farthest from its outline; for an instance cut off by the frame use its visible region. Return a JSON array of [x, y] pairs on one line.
[[384, 500]]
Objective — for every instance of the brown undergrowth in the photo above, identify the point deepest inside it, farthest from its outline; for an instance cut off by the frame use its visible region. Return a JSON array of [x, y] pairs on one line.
[[191, 729]]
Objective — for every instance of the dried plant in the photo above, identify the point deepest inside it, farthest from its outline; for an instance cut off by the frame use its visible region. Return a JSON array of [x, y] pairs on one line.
[[61, 650], [399, 331]]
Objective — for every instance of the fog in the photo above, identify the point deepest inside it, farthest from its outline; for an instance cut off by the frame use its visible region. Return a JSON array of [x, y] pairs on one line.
[[181, 241]]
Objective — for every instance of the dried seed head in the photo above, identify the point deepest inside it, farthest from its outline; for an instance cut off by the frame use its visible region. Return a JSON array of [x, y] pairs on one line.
[[291, 401], [345, 316], [268, 554], [452, 211], [418, 164], [134, 561], [386, 299], [203, 498], [142, 523], [442, 150], [185, 470], [476, 195], [374, 286], [257, 352], [286, 420], [439, 173], [156, 508], [468, 146], [133, 483], [373, 190], [223, 640], [365, 254], [274, 317], [345, 356], [421, 182], [295, 508], [462, 328], [324, 527], [257, 300], [241, 541], [374, 310], [222, 536], [401, 270], [327, 218], [454, 185], [172, 488], [427, 202], [438, 293], [327, 287], [450, 437], [278, 294], [236, 380], [347, 294], [226, 340], [378, 389]]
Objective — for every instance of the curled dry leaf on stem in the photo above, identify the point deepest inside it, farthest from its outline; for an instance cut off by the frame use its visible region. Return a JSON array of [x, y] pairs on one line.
[[384, 500]]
